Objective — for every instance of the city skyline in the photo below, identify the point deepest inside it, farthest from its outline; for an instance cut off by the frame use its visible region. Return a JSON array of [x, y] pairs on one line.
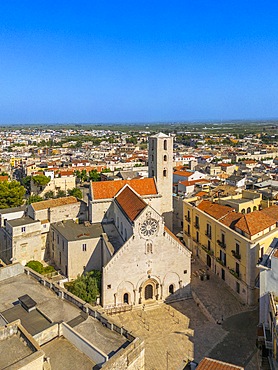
[[91, 63]]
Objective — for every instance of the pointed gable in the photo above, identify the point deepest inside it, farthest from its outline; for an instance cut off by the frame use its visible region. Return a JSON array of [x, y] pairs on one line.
[[109, 189], [130, 203]]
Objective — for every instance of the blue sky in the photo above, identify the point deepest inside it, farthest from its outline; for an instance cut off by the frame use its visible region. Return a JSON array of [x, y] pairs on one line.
[[137, 61]]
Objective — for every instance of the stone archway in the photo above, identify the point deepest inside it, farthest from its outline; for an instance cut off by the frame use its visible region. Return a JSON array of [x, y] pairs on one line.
[[149, 291]]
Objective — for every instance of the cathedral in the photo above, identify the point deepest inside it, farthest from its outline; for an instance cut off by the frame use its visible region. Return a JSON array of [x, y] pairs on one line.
[[142, 261]]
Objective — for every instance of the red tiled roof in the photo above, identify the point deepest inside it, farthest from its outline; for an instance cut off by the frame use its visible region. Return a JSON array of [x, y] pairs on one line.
[[38, 206], [4, 178], [271, 211], [183, 173], [210, 364], [255, 222], [108, 189], [231, 219], [131, 204], [213, 209]]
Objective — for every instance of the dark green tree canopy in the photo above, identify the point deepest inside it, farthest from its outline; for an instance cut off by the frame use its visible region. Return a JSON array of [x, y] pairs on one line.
[[41, 180], [11, 194], [87, 286], [75, 192]]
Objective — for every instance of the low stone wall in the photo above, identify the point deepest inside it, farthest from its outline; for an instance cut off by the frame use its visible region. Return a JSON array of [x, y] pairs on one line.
[[9, 271], [129, 358], [47, 335], [83, 345], [203, 308]]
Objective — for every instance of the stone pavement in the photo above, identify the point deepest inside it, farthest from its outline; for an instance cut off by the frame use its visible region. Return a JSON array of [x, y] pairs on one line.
[[171, 336], [215, 295]]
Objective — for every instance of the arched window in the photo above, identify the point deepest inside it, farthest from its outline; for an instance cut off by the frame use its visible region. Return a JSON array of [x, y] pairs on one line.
[[165, 158], [243, 211], [248, 210], [126, 298], [254, 208], [171, 289], [164, 173], [165, 144], [149, 247]]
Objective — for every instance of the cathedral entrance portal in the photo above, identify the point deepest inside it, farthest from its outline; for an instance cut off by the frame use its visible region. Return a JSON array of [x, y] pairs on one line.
[[149, 292]]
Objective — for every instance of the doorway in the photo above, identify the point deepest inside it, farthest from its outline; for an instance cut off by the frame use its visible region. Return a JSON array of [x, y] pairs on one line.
[[149, 292], [126, 300]]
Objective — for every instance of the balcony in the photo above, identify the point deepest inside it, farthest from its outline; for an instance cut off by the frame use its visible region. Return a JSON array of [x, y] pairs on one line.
[[188, 219], [197, 226], [208, 251], [208, 234], [220, 261], [236, 255], [221, 243], [234, 273]]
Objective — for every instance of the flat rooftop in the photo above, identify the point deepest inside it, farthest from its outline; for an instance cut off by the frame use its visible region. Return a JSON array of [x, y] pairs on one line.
[[14, 350], [22, 221], [72, 231], [12, 210], [34, 322], [64, 355], [56, 309]]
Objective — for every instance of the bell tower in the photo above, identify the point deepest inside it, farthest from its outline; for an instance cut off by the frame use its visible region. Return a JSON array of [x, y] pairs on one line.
[[160, 163]]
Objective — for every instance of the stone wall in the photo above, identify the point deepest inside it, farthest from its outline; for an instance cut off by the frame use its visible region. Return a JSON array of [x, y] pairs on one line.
[[10, 271]]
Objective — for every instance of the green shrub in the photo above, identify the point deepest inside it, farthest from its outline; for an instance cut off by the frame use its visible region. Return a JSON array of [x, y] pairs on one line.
[[36, 266]]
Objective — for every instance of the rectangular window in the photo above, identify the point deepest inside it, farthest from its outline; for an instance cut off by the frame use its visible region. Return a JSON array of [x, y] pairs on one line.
[[196, 221], [209, 246], [237, 288], [237, 268], [223, 257], [237, 249], [188, 229], [23, 229], [84, 247], [197, 236], [58, 239], [109, 286], [63, 245], [208, 231]]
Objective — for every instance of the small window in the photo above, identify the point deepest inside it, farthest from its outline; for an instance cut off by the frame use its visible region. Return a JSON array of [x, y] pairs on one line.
[[164, 173], [58, 239], [23, 229], [237, 288], [109, 286], [197, 236], [84, 247], [185, 271], [152, 173], [165, 158], [63, 245], [152, 157], [165, 145], [171, 289]]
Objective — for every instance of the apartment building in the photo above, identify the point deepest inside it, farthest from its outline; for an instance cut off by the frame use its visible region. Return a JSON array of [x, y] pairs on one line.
[[230, 242]]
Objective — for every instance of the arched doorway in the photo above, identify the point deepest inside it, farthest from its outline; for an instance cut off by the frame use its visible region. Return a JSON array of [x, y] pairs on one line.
[[149, 292], [171, 289], [126, 298]]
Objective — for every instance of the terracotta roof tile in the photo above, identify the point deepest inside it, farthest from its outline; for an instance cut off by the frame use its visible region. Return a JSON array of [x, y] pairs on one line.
[[4, 178], [130, 203], [38, 206], [214, 210], [271, 211], [231, 219], [183, 173], [210, 364], [108, 189], [255, 222]]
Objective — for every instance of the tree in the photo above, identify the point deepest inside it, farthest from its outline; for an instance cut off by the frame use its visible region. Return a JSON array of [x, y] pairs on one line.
[[49, 195], [11, 194], [87, 286], [94, 175], [41, 180], [34, 199], [75, 192], [26, 182], [60, 194]]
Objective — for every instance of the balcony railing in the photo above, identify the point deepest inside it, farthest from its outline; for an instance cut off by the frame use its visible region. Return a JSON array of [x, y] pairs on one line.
[[208, 251], [186, 233], [208, 234], [188, 219], [220, 261], [234, 273], [236, 254], [197, 226], [221, 244]]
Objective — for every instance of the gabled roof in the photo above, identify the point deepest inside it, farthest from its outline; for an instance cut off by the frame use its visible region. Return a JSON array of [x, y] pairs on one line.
[[215, 210], [231, 219], [255, 222], [109, 189], [211, 364], [130, 203], [183, 173], [271, 211], [51, 203]]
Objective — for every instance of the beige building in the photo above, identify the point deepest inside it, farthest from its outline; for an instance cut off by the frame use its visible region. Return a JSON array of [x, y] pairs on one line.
[[230, 243], [63, 183]]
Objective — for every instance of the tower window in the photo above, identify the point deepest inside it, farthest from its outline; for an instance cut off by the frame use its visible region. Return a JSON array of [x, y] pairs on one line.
[[152, 173], [165, 158], [165, 144], [164, 173], [152, 158]]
